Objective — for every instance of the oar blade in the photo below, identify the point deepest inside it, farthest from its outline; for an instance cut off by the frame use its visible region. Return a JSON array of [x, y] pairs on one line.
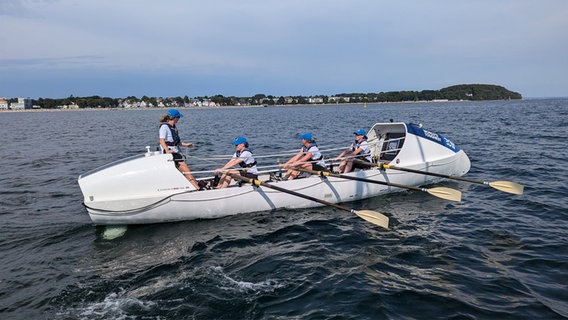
[[373, 217], [507, 186], [445, 193]]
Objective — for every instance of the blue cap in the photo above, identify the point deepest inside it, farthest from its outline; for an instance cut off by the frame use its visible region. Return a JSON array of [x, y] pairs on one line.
[[360, 132], [306, 136], [174, 113], [239, 140]]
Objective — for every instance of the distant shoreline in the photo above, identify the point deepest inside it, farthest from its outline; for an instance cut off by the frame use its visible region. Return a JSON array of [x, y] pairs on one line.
[[241, 107], [461, 92]]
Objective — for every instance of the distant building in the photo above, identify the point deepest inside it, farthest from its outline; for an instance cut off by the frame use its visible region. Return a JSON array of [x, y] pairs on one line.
[[339, 99], [4, 104], [23, 103], [70, 106]]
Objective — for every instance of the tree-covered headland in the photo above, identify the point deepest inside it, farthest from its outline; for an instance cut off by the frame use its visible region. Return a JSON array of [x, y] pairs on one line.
[[462, 92]]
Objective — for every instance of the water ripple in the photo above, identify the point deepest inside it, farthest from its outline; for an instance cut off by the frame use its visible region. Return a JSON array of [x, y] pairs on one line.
[[492, 255]]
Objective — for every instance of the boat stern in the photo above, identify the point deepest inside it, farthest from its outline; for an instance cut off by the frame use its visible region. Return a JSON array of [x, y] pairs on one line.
[[132, 182]]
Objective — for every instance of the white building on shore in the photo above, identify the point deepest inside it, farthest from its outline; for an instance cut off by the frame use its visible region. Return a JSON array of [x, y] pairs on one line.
[[23, 103], [4, 104]]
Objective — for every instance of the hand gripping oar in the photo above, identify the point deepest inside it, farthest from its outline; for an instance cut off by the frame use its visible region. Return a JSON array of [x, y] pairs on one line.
[[369, 215], [440, 192], [505, 186]]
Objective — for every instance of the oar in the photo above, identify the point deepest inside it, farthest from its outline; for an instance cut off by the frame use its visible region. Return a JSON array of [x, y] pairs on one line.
[[369, 215], [440, 192], [505, 186]]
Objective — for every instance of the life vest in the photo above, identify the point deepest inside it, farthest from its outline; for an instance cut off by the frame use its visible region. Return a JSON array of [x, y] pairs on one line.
[[314, 156], [242, 163], [365, 155], [175, 135]]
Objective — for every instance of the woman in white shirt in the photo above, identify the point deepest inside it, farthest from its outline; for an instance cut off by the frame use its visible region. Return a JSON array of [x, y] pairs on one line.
[[359, 149], [242, 157], [309, 157], [170, 143]]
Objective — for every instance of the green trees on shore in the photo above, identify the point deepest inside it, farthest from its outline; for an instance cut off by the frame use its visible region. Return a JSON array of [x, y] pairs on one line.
[[472, 92], [479, 92]]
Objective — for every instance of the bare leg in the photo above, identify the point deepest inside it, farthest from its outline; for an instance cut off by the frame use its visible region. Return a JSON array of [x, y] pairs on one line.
[[293, 174], [342, 165], [225, 179], [182, 166], [348, 166]]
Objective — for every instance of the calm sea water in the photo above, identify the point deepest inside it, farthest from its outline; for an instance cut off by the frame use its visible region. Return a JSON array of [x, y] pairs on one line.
[[493, 255]]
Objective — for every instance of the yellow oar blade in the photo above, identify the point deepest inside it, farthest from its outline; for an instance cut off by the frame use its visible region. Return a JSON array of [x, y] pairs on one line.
[[373, 217], [507, 186], [446, 193]]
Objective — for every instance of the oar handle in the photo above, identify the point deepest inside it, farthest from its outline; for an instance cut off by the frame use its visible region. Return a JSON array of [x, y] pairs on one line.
[[336, 175], [277, 188]]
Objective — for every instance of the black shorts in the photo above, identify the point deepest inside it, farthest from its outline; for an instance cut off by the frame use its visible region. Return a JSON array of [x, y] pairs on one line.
[[246, 174], [358, 164], [317, 167], [178, 158]]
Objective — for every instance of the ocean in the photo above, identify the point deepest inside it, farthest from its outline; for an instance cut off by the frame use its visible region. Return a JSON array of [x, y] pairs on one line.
[[493, 255]]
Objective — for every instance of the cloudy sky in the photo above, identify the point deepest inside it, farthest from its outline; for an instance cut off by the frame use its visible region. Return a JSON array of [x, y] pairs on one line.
[[167, 48]]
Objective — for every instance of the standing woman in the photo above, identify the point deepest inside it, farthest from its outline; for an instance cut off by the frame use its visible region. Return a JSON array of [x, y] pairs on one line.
[[242, 157], [170, 142], [309, 157]]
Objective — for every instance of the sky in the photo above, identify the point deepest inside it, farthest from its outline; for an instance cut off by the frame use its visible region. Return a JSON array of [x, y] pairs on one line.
[[170, 48]]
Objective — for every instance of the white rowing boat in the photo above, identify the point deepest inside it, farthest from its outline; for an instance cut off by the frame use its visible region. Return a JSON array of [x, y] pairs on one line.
[[147, 188]]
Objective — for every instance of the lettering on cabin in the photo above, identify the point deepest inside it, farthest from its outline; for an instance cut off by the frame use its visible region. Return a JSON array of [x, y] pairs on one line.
[[449, 143], [432, 135]]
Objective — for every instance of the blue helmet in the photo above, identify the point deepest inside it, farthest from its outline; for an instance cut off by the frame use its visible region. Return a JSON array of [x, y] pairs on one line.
[[360, 132], [239, 140], [306, 136], [173, 113]]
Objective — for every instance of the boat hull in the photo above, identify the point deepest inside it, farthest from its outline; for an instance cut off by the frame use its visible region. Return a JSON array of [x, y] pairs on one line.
[[148, 189]]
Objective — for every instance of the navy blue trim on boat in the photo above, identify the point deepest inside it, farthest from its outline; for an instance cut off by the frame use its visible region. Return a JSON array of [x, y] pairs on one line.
[[432, 136]]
